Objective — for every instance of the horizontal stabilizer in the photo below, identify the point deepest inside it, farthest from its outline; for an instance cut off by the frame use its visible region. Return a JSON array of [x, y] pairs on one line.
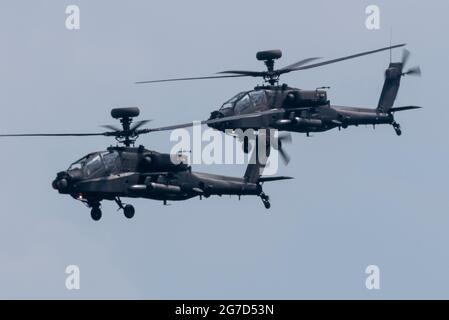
[[404, 108], [269, 179]]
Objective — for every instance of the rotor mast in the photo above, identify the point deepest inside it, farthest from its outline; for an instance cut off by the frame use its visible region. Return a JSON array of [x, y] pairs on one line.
[[268, 58], [126, 124], [127, 136]]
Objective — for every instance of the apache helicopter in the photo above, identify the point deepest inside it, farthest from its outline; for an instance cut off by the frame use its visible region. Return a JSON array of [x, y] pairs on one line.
[[291, 109], [136, 172]]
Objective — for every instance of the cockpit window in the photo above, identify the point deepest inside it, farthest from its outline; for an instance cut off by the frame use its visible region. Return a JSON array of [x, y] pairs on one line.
[[230, 103], [258, 98], [93, 165], [96, 164], [245, 101], [78, 165], [243, 104], [111, 161]]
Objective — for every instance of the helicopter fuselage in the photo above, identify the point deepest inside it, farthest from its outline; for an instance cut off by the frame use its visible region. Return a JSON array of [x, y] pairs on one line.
[[288, 109], [140, 173]]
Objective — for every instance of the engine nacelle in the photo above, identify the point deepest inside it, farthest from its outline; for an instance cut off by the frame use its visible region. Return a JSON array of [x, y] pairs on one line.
[[164, 162], [304, 98]]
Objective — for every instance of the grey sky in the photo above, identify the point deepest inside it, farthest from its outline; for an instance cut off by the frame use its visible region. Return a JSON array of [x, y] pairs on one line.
[[360, 196]]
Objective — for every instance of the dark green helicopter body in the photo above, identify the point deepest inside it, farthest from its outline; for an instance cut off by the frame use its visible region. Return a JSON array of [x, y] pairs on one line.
[[140, 173], [135, 172], [290, 109]]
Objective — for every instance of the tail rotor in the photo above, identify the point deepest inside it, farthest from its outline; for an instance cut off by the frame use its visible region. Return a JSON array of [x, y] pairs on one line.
[[413, 71], [281, 140]]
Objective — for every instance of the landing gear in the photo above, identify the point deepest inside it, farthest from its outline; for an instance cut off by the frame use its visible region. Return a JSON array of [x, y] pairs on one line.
[[245, 144], [265, 200], [263, 137], [267, 204], [397, 128], [95, 213], [128, 210]]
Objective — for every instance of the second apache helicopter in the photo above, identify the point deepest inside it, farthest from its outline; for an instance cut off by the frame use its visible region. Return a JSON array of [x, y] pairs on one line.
[[291, 109], [135, 172]]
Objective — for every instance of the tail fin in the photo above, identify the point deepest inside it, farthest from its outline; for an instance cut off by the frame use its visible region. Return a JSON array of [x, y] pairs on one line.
[[253, 172], [390, 89], [255, 167]]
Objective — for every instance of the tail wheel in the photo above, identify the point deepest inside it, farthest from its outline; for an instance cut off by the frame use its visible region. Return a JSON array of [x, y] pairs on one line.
[[397, 128], [267, 204], [265, 200]]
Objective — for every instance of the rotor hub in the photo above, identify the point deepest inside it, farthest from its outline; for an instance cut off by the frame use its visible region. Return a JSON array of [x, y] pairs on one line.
[[128, 135], [268, 57]]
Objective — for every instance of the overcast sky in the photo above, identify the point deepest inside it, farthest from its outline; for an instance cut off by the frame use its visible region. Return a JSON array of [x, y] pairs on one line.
[[360, 197]]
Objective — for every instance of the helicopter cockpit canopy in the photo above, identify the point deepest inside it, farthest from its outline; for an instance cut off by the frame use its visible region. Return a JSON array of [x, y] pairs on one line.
[[95, 164], [229, 105], [244, 102]]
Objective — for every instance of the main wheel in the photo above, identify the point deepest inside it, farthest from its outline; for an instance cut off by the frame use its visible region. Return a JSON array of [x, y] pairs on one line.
[[95, 213], [129, 211]]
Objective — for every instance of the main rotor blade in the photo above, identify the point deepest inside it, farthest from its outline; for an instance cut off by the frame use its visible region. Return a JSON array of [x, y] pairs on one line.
[[168, 128], [207, 122], [56, 134], [297, 64], [191, 78], [263, 73], [293, 67], [138, 124], [310, 66], [284, 156], [282, 139], [285, 137], [111, 127], [245, 73]]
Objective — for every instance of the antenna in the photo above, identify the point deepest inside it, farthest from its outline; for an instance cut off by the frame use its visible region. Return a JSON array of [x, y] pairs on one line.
[[391, 41]]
